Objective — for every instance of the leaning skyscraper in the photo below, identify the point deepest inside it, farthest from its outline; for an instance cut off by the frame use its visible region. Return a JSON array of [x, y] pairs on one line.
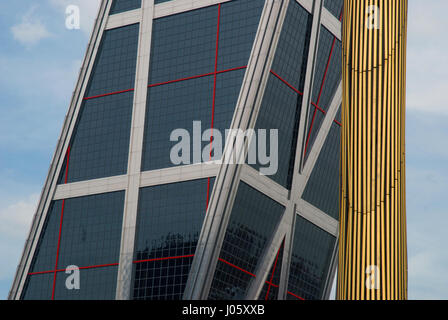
[[136, 225]]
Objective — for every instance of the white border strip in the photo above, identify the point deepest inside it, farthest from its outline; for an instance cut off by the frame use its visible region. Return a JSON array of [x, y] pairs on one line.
[[318, 217]]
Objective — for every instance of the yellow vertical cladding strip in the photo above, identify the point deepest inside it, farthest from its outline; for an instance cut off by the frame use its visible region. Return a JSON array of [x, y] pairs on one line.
[[373, 249]]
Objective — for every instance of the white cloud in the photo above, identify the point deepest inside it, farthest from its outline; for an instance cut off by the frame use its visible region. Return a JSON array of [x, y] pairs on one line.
[[41, 99], [15, 219], [30, 30], [88, 11]]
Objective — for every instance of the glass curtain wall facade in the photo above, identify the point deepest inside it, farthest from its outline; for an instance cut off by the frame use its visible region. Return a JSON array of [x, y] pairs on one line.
[[119, 215]]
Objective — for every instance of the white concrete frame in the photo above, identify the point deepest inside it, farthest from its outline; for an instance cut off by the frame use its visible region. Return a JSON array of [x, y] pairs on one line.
[[178, 6], [135, 153], [253, 88]]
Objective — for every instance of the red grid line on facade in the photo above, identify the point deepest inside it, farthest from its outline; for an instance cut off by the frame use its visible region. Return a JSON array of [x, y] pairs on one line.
[[270, 283], [251, 274], [168, 82], [288, 84], [109, 94], [214, 97], [112, 264], [290, 293], [294, 295], [164, 258], [195, 77], [181, 79], [60, 225], [80, 268], [238, 268], [300, 93], [215, 73]]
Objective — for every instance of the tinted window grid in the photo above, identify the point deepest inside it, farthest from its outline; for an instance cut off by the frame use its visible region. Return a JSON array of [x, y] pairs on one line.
[[45, 254], [322, 189], [291, 55], [279, 111], [38, 287], [91, 233], [95, 284], [170, 107], [310, 261], [115, 64], [183, 45], [100, 142], [252, 222], [169, 222], [119, 6], [239, 20]]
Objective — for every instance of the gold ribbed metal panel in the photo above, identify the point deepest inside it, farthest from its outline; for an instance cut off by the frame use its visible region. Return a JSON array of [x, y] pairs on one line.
[[372, 247]]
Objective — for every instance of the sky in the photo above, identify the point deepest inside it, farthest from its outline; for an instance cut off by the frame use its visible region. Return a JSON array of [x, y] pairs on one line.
[[39, 65]]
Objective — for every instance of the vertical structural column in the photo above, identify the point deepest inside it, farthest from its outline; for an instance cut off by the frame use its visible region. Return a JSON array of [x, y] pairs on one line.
[[135, 154], [372, 243]]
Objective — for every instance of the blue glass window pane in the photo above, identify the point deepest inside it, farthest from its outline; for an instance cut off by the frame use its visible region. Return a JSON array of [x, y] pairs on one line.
[[91, 230], [322, 189], [252, 222], [239, 22], [115, 64], [169, 222], [291, 55], [177, 105], [95, 284], [161, 1], [228, 87], [38, 287], [310, 261], [119, 6], [170, 107], [100, 142], [183, 45], [45, 255], [334, 6]]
